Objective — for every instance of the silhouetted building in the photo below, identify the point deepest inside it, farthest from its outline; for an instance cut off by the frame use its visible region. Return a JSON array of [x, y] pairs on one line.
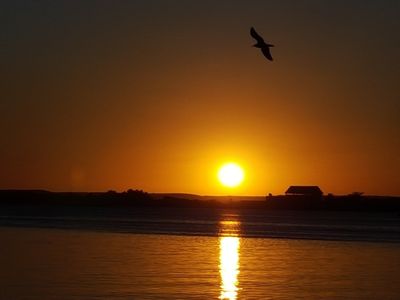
[[300, 190]]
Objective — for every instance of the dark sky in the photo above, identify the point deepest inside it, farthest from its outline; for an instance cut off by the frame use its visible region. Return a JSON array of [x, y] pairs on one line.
[[156, 95]]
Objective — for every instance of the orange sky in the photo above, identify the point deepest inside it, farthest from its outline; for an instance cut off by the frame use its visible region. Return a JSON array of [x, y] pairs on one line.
[[156, 95]]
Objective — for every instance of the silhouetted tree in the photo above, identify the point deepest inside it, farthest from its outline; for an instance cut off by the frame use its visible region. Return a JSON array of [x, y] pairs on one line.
[[356, 194], [137, 195]]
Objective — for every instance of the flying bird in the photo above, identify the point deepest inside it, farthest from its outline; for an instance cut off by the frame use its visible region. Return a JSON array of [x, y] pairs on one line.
[[261, 44]]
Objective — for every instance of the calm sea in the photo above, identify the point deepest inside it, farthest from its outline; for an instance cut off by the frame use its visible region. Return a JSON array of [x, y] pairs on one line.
[[190, 255]]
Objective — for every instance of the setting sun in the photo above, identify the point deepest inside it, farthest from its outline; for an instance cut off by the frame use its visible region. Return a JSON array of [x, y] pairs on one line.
[[231, 175]]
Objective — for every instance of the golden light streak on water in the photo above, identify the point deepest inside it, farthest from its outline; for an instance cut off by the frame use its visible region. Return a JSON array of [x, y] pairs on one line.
[[229, 259]]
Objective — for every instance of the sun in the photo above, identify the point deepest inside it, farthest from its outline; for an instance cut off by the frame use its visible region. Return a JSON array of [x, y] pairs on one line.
[[231, 175]]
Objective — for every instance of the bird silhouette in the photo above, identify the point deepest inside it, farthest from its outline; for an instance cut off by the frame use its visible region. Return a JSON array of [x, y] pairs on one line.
[[261, 44]]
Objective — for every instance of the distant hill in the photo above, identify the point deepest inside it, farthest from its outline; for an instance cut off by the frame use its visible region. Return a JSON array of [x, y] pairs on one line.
[[139, 198], [207, 197]]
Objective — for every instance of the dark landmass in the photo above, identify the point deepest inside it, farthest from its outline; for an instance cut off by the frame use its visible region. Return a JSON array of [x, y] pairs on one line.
[[353, 217], [139, 198]]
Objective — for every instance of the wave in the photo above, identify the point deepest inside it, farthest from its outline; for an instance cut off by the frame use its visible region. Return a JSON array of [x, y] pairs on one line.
[[287, 225]]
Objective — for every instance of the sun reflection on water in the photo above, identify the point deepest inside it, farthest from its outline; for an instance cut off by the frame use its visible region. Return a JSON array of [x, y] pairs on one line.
[[229, 244]]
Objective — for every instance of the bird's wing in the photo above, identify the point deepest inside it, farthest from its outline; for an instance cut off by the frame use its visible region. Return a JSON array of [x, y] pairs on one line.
[[267, 53], [255, 35]]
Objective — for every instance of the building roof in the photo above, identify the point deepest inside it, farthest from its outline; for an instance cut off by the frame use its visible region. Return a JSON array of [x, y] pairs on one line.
[[304, 190]]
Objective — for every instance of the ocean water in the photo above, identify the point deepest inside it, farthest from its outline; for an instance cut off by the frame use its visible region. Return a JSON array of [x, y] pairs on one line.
[[222, 256], [203, 221]]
